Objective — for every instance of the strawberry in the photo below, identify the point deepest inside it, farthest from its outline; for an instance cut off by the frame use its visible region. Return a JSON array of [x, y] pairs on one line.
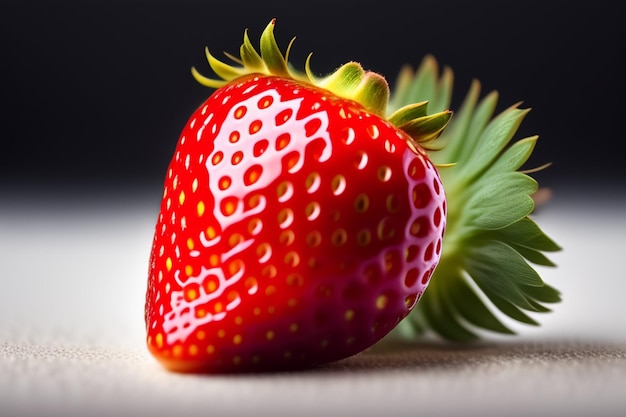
[[299, 225]]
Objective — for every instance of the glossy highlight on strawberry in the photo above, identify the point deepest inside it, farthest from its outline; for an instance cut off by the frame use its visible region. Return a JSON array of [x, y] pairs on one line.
[[298, 226]]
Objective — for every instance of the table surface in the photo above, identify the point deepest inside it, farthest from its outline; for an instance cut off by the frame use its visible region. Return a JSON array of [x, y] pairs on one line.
[[73, 275]]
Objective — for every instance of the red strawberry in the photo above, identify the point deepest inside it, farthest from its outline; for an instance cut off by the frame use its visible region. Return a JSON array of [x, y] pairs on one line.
[[298, 225]]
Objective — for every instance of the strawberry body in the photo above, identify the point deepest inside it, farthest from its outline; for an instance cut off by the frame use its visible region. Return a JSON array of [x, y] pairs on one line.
[[296, 228]]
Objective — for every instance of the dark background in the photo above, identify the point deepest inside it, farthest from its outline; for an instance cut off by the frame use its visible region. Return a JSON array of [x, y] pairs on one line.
[[95, 92]]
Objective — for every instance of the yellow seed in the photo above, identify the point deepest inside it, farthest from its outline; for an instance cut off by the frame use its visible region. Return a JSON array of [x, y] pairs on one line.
[[287, 237], [192, 294], [237, 157], [295, 280], [159, 340], [282, 142], [189, 270], [211, 286], [255, 226], [361, 203], [349, 315], [210, 349], [269, 271], [385, 230], [381, 302], [364, 237], [393, 204], [312, 210], [240, 112], [237, 339], [254, 201], [284, 190], [293, 327], [389, 261], [200, 334], [390, 147], [181, 198], [285, 217], [190, 244], [292, 258], [193, 350], [210, 231], [177, 350], [314, 238], [168, 264], [339, 237], [219, 307], [229, 208], [255, 126], [225, 183], [200, 208], [373, 131], [384, 173], [265, 103], [269, 335], [312, 182], [338, 184], [235, 239]]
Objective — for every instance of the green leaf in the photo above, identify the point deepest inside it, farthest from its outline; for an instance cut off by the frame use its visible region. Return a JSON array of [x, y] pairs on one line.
[[408, 113], [497, 259], [490, 239], [222, 69], [441, 317], [511, 310], [462, 146], [424, 84], [426, 128], [544, 294], [410, 86], [513, 200], [533, 255], [472, 308], [249, 55], [515, 156], [528, 234], [494, 138], [271, 54]]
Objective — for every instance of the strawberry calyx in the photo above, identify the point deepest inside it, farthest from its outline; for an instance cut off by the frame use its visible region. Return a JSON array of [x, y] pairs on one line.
[[486, 276], [349, 81]]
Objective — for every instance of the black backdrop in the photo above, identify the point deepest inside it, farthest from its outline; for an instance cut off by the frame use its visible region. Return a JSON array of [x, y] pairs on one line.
[[97, 90]]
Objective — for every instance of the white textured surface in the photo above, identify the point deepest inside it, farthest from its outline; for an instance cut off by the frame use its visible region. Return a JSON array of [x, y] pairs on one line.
[[72, 282]]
